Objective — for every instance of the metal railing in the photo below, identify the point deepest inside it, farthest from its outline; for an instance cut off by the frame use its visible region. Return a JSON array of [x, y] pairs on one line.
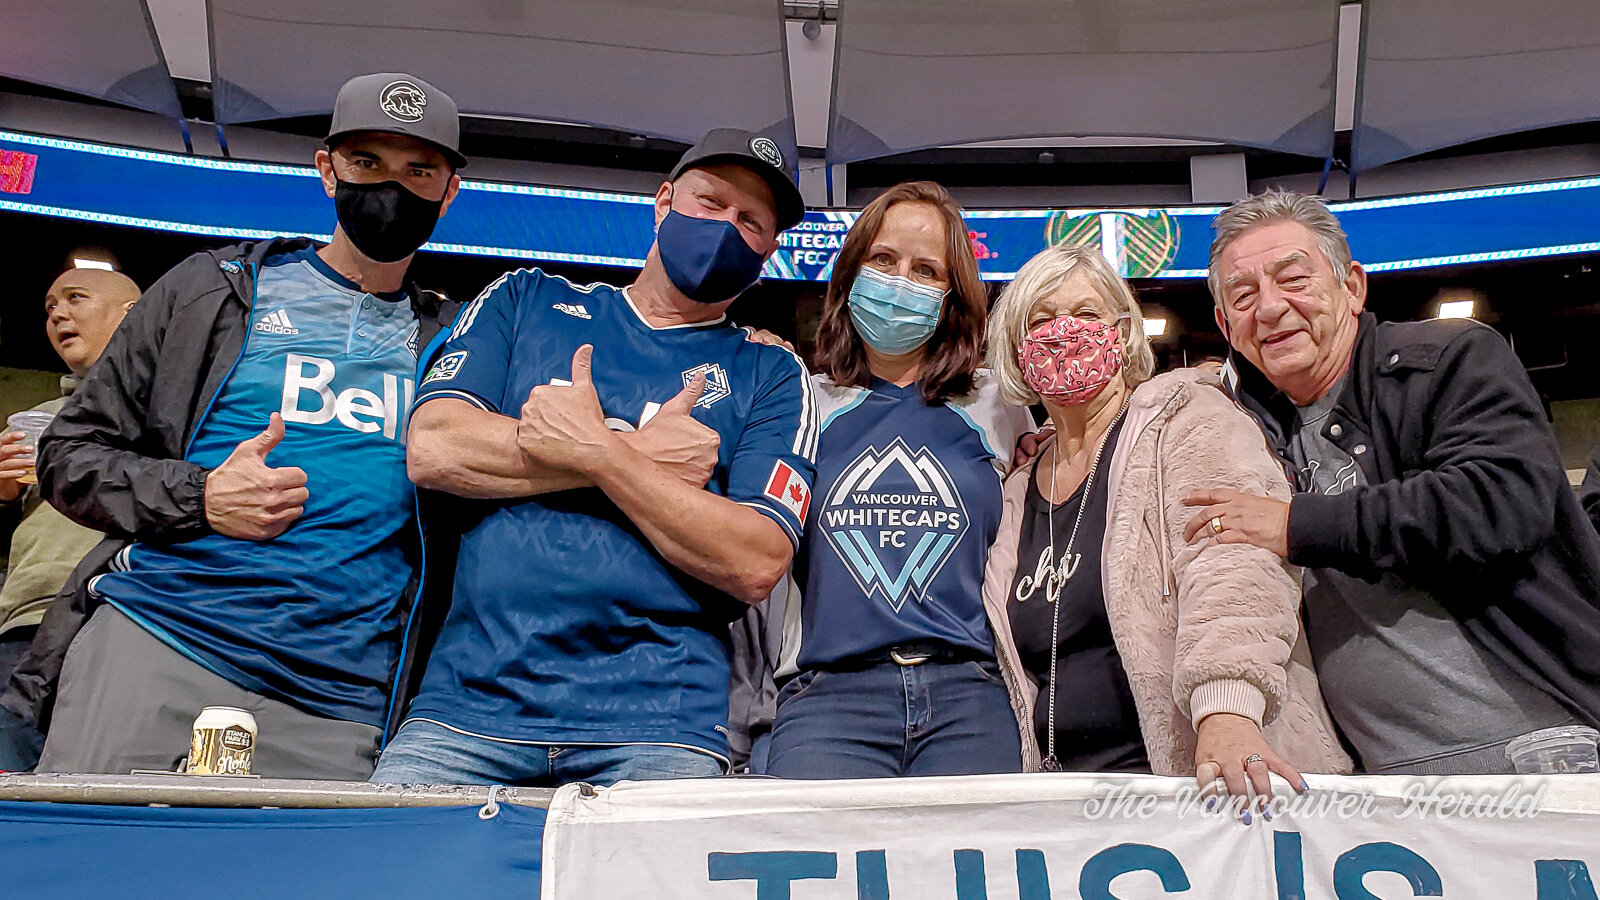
[[246, 792]]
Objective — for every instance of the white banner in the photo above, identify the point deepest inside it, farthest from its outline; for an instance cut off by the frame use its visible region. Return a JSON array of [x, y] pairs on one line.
[[1036, 837]]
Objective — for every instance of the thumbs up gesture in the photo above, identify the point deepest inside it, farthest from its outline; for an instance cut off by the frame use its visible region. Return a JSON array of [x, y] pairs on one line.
[[675, 439], [562, 425], [248, 499]]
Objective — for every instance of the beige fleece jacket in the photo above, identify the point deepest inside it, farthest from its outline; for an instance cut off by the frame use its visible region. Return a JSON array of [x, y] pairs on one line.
[[1202, 628]]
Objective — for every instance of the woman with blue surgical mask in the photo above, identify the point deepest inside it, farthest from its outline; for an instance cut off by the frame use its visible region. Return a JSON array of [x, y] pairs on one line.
[[888, 662]]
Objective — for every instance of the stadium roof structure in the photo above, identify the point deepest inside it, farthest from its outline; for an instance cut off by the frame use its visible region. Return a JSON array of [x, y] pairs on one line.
[[1282, 75]]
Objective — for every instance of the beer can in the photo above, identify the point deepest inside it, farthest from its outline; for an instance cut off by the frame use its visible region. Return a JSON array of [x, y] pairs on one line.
[[224, 742]]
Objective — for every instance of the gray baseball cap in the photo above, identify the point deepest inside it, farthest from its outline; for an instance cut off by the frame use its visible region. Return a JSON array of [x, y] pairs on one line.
[[755, 152], [399, 104]]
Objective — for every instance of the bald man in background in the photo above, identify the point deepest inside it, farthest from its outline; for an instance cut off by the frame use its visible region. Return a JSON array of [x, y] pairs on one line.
[[82, 310]]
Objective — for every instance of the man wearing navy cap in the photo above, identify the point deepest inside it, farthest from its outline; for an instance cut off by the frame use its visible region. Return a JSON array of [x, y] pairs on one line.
[[644, 469], [241, 442]]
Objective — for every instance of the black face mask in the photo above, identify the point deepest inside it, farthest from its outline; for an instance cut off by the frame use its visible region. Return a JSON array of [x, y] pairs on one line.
[[385, 220]]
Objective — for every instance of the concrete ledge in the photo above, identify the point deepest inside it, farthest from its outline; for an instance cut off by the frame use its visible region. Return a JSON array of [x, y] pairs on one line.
[[245, 792]]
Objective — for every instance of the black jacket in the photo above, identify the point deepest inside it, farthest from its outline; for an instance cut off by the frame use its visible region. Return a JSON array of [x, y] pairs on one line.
[[113, 459], [1589, 491], [1466, 496]]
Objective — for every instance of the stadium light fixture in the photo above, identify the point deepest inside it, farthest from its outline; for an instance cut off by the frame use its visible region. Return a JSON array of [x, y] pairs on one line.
[[1458, 309]]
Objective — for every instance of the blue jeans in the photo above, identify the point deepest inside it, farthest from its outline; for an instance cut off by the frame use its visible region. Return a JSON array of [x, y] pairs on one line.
[[888, 720], [760, 750], [20, 743], [425, 752]]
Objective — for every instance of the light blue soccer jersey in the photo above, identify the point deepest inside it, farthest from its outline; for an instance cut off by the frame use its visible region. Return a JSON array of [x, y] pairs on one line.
[[566, 626], [311, 617]]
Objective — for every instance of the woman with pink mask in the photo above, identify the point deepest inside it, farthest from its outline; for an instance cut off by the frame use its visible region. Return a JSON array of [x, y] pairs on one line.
[[1125, 647]]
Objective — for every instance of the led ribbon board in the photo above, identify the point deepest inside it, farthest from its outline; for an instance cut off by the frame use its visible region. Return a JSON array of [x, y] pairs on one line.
[[228, 199]]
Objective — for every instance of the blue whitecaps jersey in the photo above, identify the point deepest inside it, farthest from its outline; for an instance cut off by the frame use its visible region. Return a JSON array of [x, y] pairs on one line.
[[907, 504], [565, 625], [312, 616]]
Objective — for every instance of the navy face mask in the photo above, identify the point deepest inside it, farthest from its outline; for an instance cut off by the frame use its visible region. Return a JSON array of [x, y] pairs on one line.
[[706, 259]]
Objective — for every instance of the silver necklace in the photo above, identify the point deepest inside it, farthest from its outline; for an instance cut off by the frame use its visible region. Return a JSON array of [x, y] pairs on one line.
[[1051, 763]]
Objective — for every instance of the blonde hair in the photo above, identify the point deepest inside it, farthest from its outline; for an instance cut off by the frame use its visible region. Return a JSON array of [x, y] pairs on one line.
[[1008, 321], [1277, 205]]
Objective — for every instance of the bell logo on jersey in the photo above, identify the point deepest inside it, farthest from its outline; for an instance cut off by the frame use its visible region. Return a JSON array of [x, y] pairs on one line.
[[358, 408], [894, 517], [788, 488]]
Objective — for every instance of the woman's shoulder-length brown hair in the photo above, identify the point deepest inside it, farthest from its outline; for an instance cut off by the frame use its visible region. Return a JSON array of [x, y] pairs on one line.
[[955, 350]]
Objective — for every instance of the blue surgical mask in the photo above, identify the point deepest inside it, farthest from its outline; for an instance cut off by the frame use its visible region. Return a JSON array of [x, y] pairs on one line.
[[892, 313], [707, 259]]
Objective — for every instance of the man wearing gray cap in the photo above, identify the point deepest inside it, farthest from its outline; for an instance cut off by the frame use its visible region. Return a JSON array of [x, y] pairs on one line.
[[241, 443], [645, 469]]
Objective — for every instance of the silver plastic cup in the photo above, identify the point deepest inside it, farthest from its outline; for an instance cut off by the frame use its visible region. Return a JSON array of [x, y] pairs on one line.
[[31, 423], [1569, 748]]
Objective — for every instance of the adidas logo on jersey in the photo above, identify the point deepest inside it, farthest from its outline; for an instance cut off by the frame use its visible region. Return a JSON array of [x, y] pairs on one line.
[[276, 322], [573, 309]]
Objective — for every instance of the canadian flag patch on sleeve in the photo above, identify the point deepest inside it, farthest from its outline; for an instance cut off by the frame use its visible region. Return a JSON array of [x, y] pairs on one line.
[[788, 488]]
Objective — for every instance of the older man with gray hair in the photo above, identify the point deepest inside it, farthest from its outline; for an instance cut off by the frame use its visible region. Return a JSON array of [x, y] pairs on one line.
[[1451, 579]]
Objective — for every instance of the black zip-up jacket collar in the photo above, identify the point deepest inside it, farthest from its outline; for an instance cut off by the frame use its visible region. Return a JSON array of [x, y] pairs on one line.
[[113, 459], [1466, 496]]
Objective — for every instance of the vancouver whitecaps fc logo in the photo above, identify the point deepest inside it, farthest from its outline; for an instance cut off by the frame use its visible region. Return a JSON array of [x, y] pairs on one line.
[[767, 149], [403, 101], [894, 529], [716, 383]]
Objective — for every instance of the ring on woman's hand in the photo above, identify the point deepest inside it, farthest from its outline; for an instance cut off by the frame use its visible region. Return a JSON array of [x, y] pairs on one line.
[[1252, 758], [1216, 524]]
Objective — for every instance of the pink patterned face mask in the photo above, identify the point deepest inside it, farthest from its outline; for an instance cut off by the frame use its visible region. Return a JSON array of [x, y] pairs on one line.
[[1068, 360]]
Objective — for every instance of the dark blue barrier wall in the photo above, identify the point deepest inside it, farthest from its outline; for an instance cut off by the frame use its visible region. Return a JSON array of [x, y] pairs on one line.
[[60, 851]]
